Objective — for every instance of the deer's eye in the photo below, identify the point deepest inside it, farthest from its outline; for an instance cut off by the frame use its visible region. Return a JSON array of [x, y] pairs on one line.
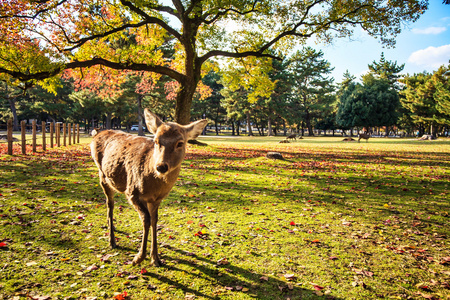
[[180, 144]]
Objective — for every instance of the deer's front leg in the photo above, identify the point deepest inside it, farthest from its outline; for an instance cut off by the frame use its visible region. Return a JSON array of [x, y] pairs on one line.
[[153, 209], [141, 208]]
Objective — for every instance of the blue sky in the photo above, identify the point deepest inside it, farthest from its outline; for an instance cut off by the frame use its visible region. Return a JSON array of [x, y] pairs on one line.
[[421, 46]]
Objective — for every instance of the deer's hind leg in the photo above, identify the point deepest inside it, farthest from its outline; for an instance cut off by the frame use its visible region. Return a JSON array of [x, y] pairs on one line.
[[109, 193]]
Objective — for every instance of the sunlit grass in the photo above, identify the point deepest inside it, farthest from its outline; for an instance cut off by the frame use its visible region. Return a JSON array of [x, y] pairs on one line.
[[342, 220]]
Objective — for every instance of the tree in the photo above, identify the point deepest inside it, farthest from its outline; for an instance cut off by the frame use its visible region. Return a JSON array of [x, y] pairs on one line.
[[237, 106], [386, 69], [373, 103], [210, 107], [11, 94], [311, 86], [50, 36], [425, 96]]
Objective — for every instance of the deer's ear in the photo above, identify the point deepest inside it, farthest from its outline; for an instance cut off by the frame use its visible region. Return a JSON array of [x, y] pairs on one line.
[[152, 121], [194, 129]]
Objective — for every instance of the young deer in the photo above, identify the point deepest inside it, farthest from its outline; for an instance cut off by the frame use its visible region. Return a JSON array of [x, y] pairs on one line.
[[145, 170], [365, 136]]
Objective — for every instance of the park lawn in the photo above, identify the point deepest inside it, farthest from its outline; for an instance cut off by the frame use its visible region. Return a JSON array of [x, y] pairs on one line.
[[334, 220]]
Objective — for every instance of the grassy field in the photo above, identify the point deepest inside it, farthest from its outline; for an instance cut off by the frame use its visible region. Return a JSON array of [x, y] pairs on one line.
[[333, 220]]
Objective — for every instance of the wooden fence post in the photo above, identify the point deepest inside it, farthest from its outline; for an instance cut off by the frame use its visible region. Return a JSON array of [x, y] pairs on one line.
[[74, 128], [9, 136], [58, 134], [23, 130], [69, 131], [34, 134], [44, 144], [51, 135], [78, 133], [64, 134]]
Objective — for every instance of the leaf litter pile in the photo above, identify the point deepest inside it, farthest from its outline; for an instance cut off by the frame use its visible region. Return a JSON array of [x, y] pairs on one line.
[[331, 221]]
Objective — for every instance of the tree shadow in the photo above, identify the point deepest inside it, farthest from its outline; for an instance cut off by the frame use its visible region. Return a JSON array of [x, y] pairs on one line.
[[225, 277]]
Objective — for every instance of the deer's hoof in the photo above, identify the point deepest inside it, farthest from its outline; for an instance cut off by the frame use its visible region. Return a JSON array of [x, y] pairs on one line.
[[156, 262], [137, 259]]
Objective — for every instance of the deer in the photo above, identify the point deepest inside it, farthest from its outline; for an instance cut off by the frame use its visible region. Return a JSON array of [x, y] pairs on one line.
[[143, 169], [365, 136], [292, 136]]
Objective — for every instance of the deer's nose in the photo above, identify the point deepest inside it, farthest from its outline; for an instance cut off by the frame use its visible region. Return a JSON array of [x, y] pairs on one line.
[[162, 168]]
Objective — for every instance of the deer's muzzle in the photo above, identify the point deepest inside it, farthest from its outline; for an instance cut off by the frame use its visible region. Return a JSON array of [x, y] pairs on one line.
[[162, 168]]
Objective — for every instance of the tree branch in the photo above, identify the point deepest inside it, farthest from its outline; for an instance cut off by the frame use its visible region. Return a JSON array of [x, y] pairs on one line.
[[214, 53], [37, 13], [153, 20], [226, 11], [22, 76]]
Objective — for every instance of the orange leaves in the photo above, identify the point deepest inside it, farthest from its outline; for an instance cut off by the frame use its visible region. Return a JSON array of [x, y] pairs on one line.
[[121, 296]]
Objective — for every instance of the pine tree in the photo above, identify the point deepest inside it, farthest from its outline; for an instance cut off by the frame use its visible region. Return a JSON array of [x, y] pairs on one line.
[[386, 69], [311, 85]]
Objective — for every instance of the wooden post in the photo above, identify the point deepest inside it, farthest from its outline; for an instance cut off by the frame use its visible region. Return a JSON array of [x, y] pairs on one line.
[[74, 128], [78, 133], [23, 129], [44, 144], [51, 135], [64, 134], [33, 124], [69, 131], [58, 134], [9, 136]]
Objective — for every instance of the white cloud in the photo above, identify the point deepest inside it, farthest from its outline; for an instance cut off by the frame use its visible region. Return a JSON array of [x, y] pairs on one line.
[[429, 30], [431, 57]]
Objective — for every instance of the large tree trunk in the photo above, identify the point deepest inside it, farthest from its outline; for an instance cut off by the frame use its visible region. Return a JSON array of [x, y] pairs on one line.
[[108, 120], [141, 122], [308, 123], [249, 126], [269, 127], [183, 107]]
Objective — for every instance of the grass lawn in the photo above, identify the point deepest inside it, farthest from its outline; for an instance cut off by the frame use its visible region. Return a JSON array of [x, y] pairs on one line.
[[334, 220]]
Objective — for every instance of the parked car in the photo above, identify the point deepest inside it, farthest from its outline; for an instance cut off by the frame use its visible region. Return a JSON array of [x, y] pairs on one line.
[[136, 128]]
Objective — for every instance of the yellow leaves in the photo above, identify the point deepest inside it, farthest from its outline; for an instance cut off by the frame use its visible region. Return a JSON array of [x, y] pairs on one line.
[[252, 74]]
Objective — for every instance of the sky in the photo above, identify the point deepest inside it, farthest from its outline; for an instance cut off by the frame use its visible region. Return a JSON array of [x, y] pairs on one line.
[[421, 46]]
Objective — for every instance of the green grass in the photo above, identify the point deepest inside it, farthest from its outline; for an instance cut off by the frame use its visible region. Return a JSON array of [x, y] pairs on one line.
[[333, 220]]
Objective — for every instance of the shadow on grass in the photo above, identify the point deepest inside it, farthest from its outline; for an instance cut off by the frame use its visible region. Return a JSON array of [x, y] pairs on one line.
[[224, 277]]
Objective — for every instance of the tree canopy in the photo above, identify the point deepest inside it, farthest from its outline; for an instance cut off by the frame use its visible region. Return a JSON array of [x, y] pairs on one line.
[[373, 103], [41, 39]]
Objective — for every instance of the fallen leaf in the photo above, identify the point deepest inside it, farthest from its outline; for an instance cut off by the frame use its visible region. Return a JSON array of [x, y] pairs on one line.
[[222, 261], [144, 271], [289, 276], [318, 287], [121, 296], [92, 268], [363, 272], [189, 297]]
